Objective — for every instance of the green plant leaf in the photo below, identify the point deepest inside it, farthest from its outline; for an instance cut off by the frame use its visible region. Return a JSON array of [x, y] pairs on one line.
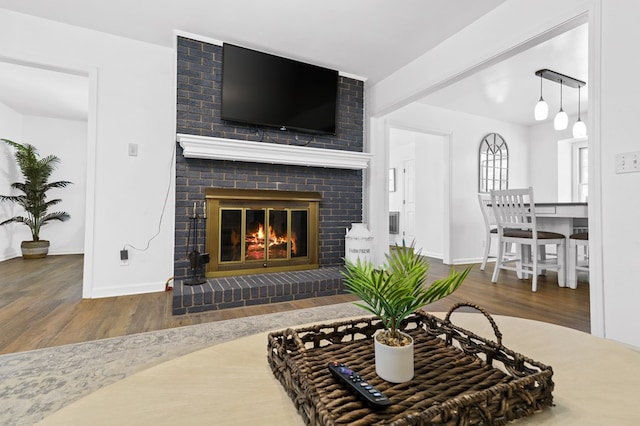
[[36, 172], [397, 289]]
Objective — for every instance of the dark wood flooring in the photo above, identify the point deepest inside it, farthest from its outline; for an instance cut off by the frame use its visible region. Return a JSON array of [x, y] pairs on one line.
[[41, 304]]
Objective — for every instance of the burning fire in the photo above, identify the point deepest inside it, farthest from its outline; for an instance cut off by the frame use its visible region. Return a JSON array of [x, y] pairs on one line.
[[255, 243]]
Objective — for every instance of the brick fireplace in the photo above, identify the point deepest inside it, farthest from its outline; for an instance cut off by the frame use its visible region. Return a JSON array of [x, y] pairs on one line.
[[339, 187]]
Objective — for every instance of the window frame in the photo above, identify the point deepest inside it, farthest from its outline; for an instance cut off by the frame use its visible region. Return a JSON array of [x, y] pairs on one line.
[[577, 168], [493, 156]]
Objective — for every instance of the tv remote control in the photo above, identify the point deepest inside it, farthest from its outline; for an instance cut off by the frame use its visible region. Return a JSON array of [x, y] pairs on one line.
[[358, 385]]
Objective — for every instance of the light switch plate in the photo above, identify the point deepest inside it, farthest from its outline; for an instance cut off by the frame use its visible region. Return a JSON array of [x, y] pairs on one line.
[[133, 149], [628, 162]]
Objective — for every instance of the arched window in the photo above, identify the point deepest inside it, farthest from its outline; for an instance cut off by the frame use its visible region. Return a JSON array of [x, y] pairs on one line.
[[494, 163]]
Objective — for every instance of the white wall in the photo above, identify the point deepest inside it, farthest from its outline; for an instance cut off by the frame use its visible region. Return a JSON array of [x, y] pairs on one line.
[[10, 128], [521, 24], [67, 140], [401, 149], [620, 192], [426, 151], [613, 109], [543, 157], [466, 131], [132, 94], [430, 173], [135, 102]]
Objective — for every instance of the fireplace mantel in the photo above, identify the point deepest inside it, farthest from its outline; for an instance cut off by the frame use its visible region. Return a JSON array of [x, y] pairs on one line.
[[261, 152]]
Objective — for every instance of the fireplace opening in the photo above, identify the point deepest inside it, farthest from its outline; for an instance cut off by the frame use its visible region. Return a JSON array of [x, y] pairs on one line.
[[252, 231], [268, 234]]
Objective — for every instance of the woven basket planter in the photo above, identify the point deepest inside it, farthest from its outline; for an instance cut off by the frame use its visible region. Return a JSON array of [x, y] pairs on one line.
[[460, 378], [34, 249]]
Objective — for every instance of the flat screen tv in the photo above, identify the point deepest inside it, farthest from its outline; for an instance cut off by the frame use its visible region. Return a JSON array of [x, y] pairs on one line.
[[263, 89]]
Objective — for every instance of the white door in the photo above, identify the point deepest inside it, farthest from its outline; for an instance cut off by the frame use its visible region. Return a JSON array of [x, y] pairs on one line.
[[430, 226], [409, 202]]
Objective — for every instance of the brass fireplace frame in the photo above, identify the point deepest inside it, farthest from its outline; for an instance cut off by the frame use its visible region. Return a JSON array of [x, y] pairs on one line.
[[219, 198]]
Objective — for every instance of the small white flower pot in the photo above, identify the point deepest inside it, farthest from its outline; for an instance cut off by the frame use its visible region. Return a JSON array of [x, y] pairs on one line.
[[394, 363]]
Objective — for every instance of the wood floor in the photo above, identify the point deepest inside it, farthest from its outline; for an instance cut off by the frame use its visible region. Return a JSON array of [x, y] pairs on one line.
[[41, 304]]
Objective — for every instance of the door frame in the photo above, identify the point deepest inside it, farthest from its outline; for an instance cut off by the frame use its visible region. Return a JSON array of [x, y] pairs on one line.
[[91, 73], [447, 245]]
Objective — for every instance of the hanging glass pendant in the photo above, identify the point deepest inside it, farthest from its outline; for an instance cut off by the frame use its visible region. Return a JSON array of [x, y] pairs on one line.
[[579, 128], [541, 111], [562, 119]]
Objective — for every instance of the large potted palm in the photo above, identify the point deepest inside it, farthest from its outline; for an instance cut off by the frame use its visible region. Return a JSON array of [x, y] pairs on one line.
[[392, 293], [36, 172]]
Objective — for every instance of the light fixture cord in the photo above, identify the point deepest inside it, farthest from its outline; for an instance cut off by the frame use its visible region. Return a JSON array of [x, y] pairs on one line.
[[540, 86], [561, 95]]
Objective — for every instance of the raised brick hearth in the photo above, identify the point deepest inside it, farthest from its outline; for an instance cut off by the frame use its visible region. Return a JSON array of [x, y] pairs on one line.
[[257, 289]]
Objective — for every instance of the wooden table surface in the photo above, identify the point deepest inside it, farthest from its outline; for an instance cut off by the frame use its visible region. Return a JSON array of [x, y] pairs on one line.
[[597, 382]]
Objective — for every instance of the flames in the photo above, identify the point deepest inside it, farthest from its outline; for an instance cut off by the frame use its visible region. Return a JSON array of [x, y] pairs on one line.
[[255, 244]]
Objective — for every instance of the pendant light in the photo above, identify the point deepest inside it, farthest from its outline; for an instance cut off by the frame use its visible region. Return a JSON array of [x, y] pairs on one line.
[[579, 128], [561, 121], [541, 112]]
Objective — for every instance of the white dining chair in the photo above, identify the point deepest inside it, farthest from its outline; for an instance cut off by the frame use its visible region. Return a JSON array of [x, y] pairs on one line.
[[578, 257], [491, 227], [514, 211]]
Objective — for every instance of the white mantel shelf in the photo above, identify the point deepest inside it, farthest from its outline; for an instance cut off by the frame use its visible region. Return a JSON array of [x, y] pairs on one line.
[[261, 152]]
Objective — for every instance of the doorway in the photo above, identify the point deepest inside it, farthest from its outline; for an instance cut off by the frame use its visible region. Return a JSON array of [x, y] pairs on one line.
[[419, 160], [49, 107]]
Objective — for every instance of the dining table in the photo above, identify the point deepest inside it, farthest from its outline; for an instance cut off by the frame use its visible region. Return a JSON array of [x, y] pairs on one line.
[[564, 218]]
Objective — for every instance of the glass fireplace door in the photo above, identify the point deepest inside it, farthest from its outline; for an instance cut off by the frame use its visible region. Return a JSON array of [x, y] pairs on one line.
[[269, 234], [254, 236], [251, 231], [279, 242]]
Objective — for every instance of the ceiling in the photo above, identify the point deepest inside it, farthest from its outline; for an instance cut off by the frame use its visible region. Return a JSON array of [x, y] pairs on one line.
[[509, 90], [44, 93], [366, 38]]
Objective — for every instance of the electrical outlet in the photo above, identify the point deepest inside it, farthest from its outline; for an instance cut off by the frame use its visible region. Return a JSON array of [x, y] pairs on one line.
[[628, 162], [124, 257]]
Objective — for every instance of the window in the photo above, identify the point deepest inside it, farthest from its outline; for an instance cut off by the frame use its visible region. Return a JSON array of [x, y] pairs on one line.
[[573, 170], [494, 163], [580, 166]]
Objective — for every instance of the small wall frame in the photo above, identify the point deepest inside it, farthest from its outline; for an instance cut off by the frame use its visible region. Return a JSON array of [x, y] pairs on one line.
[[392, 180]]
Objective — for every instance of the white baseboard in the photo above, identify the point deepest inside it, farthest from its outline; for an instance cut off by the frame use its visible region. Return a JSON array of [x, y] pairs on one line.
[[432, 255], [127, 290], [9, 254], [470, 260], [64, 252], [12, 254]]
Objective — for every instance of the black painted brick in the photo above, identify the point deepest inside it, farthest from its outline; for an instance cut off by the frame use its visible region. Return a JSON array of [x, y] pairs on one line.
[[253, 302], [231, 305], [198, 113], [223, 293]]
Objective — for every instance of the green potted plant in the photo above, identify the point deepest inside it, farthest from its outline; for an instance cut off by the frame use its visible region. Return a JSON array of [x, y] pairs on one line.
[[36, 172], [392, 293]]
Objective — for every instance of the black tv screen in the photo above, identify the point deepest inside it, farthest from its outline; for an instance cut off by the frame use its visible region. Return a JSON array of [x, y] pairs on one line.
[[263, 89]]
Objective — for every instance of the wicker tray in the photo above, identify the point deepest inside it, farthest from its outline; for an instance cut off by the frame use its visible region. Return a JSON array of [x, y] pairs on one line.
[[460, 378]]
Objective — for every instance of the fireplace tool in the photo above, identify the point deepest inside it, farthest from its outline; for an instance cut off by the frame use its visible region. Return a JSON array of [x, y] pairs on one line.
[[197, 260]]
